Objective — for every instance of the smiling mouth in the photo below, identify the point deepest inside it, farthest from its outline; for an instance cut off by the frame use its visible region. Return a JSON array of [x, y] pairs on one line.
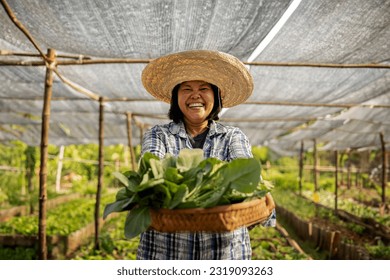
[[195, 105]]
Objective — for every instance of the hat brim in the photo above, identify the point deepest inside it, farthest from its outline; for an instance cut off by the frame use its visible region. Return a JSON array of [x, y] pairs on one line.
[[225, 71]]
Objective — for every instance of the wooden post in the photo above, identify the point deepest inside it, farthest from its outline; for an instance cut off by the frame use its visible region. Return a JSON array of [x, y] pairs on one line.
[[342, 168], [30, 163], [130, 140], [336, 182], [300, 168], [59, 168], [42, 248], [100, 172], [349, 170], [384, 168], [315, 165], [357, 178]]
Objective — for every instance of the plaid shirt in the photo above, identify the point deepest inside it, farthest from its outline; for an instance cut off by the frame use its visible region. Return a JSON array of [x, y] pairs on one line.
[[225, 143], [222, 142]]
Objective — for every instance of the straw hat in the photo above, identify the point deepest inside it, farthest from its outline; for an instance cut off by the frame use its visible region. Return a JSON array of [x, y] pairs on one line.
[[225, 71]]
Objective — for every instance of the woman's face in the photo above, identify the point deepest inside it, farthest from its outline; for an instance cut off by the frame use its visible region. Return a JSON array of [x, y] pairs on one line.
[[196, 100]]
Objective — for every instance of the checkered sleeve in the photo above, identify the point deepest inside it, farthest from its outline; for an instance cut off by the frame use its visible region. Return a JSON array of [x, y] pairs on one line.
[[239, 146], [153, 141]]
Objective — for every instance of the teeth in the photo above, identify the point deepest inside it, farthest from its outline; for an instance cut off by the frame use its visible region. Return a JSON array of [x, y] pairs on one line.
[[192, 105]]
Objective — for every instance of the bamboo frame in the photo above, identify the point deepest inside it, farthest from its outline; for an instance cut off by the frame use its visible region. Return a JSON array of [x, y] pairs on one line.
[[83, 60], [42, 250], [315, 165], [306, 104], [336, 181], [26, 54], [267, 119], [130, 140], [321, 65], [301, 157], [384, 168], [21, 27], [100, 173], [349, 169], [49, 63], [271, 103]]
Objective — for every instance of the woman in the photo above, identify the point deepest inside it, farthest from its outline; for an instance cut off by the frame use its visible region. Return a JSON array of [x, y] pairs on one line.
[[196, 84]]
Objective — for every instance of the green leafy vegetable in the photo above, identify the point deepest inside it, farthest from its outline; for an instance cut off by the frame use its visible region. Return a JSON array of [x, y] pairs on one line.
[[188, 181]]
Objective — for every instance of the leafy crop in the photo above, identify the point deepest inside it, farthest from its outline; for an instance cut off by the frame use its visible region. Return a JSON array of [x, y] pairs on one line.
[[188, 181], [62, 220], [269, 244]]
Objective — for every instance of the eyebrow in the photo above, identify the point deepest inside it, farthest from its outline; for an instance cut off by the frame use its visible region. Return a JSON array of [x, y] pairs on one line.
[[201, 85]]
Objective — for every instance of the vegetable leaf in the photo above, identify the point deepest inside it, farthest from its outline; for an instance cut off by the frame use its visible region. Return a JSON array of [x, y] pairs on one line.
[[243, 174], [179, 196], [188, 159], [117, 206], [144, 165], [137, 221]]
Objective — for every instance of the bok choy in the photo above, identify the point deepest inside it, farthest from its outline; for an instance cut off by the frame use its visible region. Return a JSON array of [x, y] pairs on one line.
[[188, 181]]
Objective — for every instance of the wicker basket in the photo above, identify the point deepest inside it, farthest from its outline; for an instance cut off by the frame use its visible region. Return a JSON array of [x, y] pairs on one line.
[[214, 219]]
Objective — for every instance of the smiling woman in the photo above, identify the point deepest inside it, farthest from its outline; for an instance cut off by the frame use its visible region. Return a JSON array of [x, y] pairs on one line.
[[197, 84]]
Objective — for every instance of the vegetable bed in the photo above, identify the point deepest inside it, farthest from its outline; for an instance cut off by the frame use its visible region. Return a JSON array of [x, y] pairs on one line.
[[68, 226], [343, 240]]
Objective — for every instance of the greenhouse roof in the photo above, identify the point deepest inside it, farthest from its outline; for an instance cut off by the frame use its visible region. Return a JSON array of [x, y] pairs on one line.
[[320, 68]]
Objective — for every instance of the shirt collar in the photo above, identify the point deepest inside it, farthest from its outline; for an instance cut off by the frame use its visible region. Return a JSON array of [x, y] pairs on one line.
[[178, 128]]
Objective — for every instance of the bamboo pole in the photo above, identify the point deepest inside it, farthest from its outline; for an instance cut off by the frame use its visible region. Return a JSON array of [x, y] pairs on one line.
[[255, 120], [30, 170], [315, 156], [26, 54], [300, 168], [272, 103], [336, 182], [130, 140], [42, 250], [349, 170], [357, 179], [83, 60], [100, 172], [59, 168], [21, 27], [384, 168], [307, 104], [342, 168], [321, 65], [46, 61]]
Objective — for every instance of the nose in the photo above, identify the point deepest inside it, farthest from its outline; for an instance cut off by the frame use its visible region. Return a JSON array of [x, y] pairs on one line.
[[195, 95]]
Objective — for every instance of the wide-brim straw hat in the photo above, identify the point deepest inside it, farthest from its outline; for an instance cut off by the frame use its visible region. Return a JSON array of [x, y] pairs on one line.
[[223, 70]]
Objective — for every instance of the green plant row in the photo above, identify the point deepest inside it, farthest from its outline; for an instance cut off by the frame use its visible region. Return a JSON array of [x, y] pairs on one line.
[[269, 244], [62, 220], [21, 187], [306, 210], [113, 244], [351, 206]]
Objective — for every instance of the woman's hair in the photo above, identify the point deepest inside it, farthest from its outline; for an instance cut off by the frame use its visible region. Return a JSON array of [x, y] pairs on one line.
[[176, 114]]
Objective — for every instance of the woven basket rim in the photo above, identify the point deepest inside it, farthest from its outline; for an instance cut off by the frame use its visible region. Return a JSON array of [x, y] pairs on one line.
[[214, 219], [215, 209]]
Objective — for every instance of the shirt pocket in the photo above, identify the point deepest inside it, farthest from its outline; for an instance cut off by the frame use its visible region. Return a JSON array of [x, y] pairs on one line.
[[221, 152]]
